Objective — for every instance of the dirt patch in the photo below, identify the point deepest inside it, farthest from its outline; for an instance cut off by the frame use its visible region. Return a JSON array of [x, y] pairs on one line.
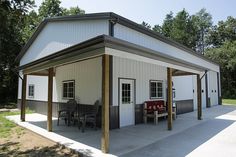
[[24, 143]]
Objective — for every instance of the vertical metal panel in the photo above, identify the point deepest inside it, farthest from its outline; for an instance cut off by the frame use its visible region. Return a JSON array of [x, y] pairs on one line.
[[142, 72], [59, 35], [183, 86], [128, 34], [213, 88], [203, 91], [88, 77], [40, 84]]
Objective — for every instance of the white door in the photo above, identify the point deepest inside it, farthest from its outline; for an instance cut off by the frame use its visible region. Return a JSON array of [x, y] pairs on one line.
[[126, 102]]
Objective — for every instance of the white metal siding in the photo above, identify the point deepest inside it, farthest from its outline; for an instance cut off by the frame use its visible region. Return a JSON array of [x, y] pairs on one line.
[[194, 80], [141, 72], [40, 88], [186, 88], [88, 80], [183, 87], [213, 91], [56, 36], [203, 85], [128, 34]]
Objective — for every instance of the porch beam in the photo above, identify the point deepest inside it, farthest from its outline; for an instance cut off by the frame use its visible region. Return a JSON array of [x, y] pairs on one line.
[[169, 97], [40, 74], [23, 97], [181, 73], [105, 103], [50, 95], [199, 98]]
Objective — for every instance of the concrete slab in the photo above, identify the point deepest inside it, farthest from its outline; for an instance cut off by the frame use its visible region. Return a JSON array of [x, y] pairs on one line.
[[189, 137]]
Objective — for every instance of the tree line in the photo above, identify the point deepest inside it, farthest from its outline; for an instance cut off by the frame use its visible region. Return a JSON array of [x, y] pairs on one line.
[[19, 19], [217, 42]]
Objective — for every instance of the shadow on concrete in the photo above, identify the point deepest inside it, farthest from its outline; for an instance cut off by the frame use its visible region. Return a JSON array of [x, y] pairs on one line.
[[183, 143], [153, 140]]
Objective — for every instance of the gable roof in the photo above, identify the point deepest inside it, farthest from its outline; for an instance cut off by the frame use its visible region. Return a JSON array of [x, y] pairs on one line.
[[112, 17]]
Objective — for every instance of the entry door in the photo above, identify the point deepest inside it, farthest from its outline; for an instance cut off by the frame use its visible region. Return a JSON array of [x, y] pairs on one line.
[[126, 102]]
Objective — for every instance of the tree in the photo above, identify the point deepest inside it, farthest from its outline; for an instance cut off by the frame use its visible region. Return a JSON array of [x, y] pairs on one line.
[[157, 28], [167, 25], [225, 55], [225, 31], [183, 29], [146, 25], [73, 11], [50, 8], [31, 22], [12, 17], [203, 23]]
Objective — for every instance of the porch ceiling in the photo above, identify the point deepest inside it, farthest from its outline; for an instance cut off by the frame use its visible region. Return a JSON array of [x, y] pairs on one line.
[[96, 47]]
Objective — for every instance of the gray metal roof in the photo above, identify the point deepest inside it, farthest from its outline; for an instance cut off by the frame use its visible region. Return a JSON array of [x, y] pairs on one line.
[[100, 42]]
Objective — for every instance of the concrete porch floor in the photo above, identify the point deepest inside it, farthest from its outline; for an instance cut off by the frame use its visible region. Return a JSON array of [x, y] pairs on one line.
[[214, 135]]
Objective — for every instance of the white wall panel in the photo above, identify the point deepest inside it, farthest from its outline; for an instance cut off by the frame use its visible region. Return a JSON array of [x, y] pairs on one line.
[[203, 86], [56, 36], [88, 80], [40, 88], [138, 38], [213, 90], [183, 87], [141, 72]]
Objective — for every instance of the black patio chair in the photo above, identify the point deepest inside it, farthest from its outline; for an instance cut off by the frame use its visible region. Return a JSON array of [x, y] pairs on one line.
[[91, 116], [88, 117], [67, 111]]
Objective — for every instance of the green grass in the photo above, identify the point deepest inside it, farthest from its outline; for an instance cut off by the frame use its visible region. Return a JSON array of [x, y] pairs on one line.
[[229, 101], [6, 125]]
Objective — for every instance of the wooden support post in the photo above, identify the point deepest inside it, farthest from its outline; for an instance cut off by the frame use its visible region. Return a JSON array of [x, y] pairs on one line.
[[169, 98], [199, 98], [105, 104], [50, 95], [23, 98]]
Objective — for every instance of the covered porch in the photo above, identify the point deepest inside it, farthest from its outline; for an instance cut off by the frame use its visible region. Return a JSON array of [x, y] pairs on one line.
[[106, 48], [127, 141]]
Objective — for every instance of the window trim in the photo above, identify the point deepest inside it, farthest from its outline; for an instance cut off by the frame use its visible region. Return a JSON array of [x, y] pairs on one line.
[[68, 98], [157, 81], [31, 96]]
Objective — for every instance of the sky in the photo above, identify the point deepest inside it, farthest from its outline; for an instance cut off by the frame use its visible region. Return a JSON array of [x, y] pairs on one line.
[[154, 11]]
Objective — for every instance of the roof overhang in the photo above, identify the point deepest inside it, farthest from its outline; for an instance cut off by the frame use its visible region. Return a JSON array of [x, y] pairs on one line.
[[96, 47], [115, 19]]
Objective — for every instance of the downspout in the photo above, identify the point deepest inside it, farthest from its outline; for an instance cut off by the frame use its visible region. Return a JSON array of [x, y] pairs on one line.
[[113, 117], [17, 74]]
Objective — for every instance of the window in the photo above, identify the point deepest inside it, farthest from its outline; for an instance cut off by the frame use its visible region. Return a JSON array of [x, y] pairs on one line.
[[126, 93], [68, 89], [31, 91], [156, 89]]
